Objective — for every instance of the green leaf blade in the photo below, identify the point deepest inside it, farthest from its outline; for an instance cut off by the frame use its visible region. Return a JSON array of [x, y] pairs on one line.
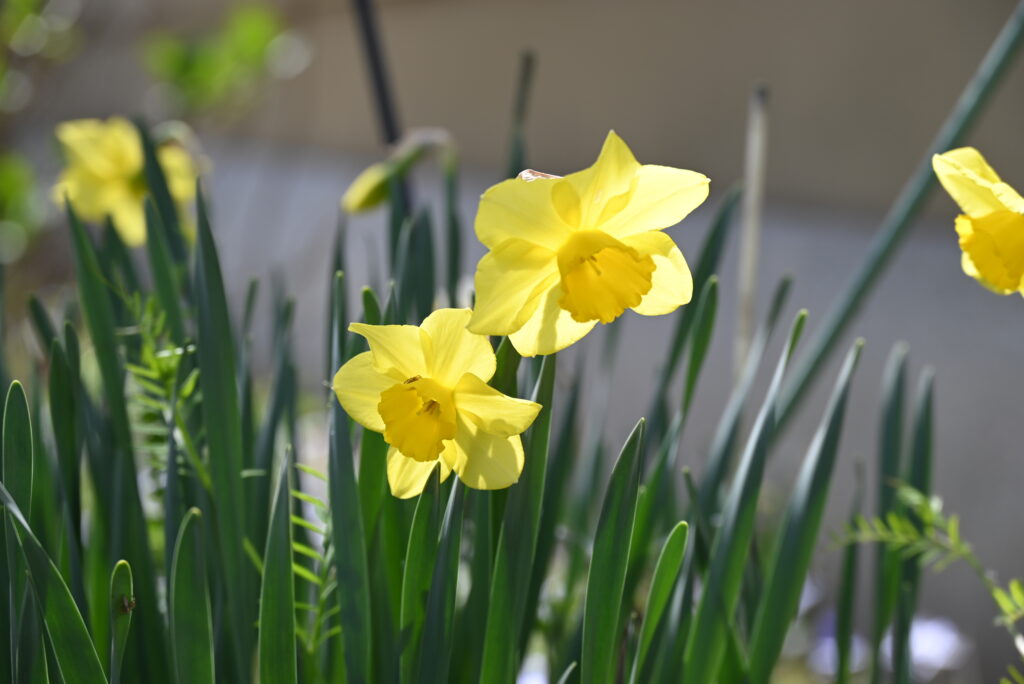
[[607, 578]]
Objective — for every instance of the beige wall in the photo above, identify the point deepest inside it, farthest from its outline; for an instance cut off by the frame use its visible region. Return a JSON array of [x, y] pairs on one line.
[[858, 86]]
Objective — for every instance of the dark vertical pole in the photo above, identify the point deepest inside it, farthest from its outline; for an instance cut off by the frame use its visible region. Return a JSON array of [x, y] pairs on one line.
[[378, 72]]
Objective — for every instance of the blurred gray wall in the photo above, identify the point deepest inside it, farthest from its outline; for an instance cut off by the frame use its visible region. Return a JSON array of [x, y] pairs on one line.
[[858, 88]]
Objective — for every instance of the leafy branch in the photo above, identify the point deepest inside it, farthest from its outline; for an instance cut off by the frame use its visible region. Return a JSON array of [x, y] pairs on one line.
[[918, 528]]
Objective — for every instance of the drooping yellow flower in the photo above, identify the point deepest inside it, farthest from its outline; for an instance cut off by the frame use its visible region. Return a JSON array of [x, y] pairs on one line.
[[991, 228], [370, 189], [426, 389], [566, 253], [104, 174]]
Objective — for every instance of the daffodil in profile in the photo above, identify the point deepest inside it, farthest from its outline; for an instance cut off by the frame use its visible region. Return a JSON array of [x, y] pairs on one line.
[[104, 174], [425, 388], [991, 227], [567, 253]]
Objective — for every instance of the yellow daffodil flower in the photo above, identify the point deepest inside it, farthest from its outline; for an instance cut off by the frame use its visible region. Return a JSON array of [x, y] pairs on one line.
[[566, 253], [104, 174], [991, 228], [426, 389]]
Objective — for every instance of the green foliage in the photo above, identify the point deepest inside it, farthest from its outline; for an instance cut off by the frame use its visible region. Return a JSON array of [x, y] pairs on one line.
[[921, 531], [219, 69], [611, 572]]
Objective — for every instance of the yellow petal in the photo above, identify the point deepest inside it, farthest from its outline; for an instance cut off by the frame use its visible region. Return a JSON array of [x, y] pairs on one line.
[[407, 477], [456, 350], [522, 209], [129, 220], [510, 282], [180, 171], [671, 284], [973, 184], [402, 348], [358, 386], [993, 248], [369, 189], [662, 197], [483, 460], [492, 411], [605, 186], [105, 149], [550, 328]]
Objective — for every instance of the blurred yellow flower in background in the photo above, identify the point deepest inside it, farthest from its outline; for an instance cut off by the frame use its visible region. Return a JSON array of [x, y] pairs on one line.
[[104, 174], [566, 253], [425, 387], [991, 228]]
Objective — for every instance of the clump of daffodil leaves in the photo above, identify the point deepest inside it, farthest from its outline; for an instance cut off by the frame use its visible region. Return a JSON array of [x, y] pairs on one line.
[[564, 255], [991, 227]]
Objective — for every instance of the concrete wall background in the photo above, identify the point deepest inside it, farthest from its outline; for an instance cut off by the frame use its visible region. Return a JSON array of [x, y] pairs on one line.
[[858, 87]]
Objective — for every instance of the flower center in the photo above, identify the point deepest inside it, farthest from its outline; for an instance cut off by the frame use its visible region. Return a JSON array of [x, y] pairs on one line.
[[601, 277], [418, 416]]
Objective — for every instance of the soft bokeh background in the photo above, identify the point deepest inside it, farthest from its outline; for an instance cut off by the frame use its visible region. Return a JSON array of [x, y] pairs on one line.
[[857, 92]]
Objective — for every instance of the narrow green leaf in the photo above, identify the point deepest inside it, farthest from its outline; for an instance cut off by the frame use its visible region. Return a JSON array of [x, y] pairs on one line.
[[707, 263], [41, 323], [709, 634], [215, 352], [156, 181], [72, 646], [918, 475], [727, 432], [556, 492], [453, 227], [569, 671], [127, 526], [350, 555], [419, 562], [845, 603], [17, 473], [122, 603], [164, 273], [120, 261], [890, 450], [338, 251], [517, 543], [608, 565], [707, 307], [437, 646], [517, 138], [663, 582], [18, 458], [371, 308], [792, 558], [277, 647], [189, 605], [508, 359], [278, 402], [415, 268]]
